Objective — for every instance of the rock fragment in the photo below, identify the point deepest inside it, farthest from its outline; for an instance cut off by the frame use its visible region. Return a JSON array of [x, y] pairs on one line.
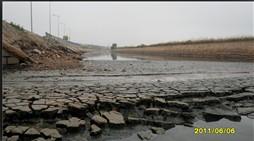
[[240, 96], [215, 113], [114, 118], [251, 116], [146, 135], [13, 138], [72, 124], [245, 110], [32, 132], [99, 120], [51, 133], [152, 111], [157, 130], [95, 130], [8, 129], [40, 139], [23, 109], [18, 130], [39, 107], [178, 104]]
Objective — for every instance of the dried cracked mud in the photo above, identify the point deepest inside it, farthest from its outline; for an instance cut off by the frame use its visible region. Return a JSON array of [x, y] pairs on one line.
[[126, 100]]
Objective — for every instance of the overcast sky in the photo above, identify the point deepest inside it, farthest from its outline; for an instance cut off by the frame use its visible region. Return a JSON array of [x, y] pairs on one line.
[[134, 23]]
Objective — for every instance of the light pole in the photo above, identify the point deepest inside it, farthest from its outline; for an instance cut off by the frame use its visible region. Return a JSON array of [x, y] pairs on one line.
[[58, 23], [64, 28], [69, 29], [31, 14], [49, 18]]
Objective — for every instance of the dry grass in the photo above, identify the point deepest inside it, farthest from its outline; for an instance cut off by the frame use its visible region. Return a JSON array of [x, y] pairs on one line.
[[241, 49]]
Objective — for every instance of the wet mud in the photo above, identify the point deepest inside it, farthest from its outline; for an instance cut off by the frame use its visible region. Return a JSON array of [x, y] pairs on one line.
[[113, 100]]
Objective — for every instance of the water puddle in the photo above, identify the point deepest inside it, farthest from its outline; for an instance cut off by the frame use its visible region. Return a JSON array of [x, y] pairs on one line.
[[244, 130], [107, 134]]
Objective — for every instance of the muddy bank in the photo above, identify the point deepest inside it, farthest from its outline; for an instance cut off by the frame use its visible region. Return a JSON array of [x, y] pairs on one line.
[[54, 112], [225, 50], [113, 72]]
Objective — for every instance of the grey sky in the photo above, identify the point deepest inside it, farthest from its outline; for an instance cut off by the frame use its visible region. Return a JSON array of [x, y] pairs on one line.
[[133, 23]]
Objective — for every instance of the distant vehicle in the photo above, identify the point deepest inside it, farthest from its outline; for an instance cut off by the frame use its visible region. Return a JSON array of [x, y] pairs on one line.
[[65, 37], [114, 46]]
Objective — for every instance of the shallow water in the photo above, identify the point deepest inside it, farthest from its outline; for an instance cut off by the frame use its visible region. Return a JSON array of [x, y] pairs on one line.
[[244, 131], [107, 134], [113, 56], [108, 57]]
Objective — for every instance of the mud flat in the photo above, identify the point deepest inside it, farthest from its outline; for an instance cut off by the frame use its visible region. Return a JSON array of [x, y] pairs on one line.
[[128, 100], [235, 49], [91, 110], [102, 71]]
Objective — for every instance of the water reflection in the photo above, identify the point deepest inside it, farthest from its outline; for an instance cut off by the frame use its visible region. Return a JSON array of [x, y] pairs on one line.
[[244, 131], [112, 55], [212, 118]]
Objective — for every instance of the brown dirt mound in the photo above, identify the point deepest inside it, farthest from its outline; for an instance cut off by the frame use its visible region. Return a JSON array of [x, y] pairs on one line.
[[37, 51]]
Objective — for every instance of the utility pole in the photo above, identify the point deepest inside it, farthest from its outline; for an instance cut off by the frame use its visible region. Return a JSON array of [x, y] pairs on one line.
[[49, 18], [64, 29], [31, 13], [58, 23]]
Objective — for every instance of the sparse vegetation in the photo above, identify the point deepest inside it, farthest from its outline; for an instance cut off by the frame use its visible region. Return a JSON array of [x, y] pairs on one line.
[[237, 49], [16, 26], [201, 41]]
